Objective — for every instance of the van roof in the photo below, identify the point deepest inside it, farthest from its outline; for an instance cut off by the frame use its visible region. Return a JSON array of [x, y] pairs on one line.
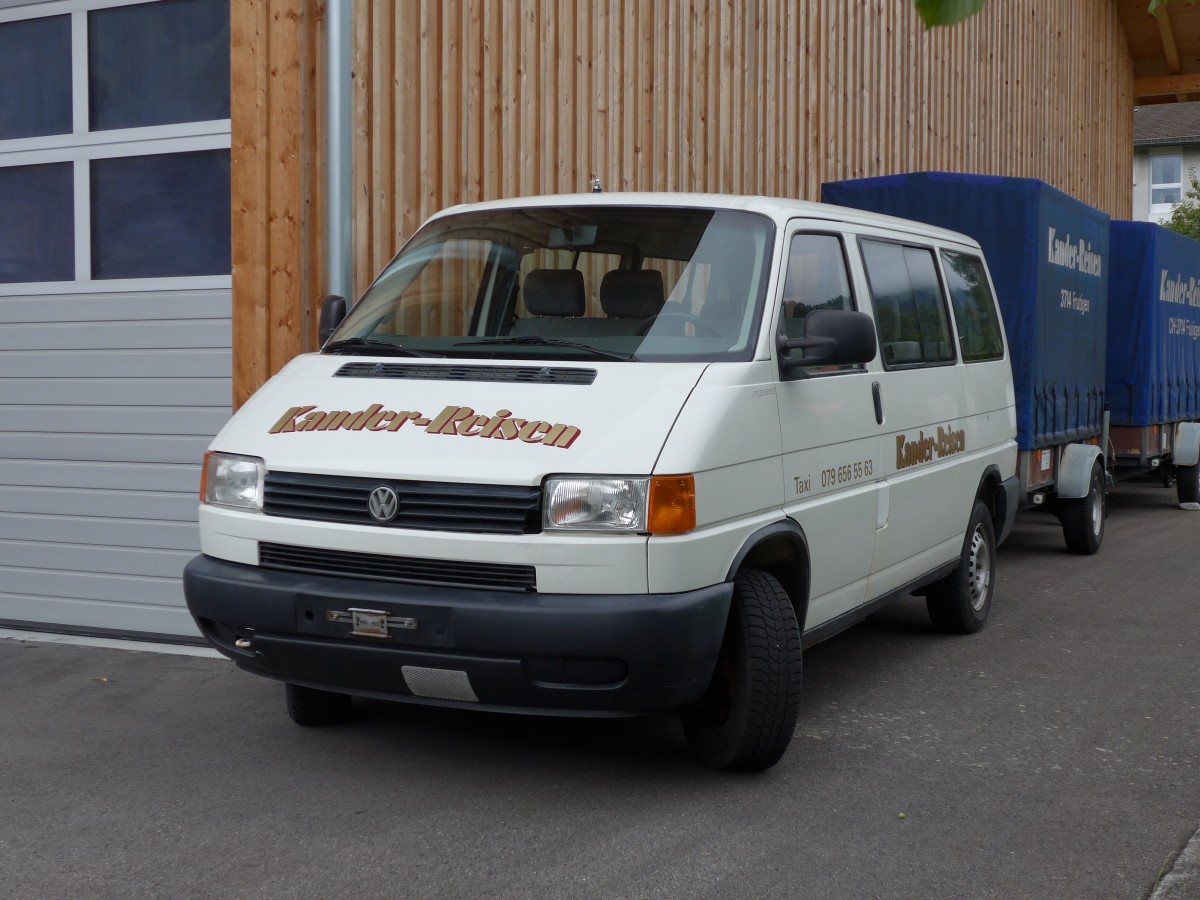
[[777, 208]]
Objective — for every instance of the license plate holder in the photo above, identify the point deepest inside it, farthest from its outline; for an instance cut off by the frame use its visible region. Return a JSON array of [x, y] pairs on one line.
[[369, 622]]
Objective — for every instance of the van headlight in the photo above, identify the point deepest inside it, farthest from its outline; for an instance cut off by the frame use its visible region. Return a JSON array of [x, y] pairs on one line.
[[231, 480], [663, 504]]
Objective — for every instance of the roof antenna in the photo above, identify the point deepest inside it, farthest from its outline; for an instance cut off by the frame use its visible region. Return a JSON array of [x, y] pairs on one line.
[[596, 186]]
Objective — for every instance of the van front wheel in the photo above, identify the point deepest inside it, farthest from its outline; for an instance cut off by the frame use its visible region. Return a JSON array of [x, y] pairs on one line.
[[745, 719], [960, 602]]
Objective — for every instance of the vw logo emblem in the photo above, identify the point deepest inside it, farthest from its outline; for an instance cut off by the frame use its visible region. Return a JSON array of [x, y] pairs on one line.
[[383, 504]]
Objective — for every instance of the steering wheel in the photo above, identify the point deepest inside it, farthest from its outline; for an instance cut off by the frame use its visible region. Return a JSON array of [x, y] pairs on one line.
[[701, 325]]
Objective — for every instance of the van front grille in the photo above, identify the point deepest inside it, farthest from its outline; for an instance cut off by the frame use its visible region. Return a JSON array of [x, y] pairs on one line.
[[378, 567], [423, 505]]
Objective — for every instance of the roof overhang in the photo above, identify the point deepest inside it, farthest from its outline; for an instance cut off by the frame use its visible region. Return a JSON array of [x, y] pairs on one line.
[[1165, 48]]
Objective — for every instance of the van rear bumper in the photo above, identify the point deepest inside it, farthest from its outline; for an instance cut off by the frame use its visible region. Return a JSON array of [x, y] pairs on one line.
[[573, 654]]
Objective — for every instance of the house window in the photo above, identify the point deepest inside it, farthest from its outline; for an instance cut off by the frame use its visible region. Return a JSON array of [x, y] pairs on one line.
[[1166, 184], [114, 145]]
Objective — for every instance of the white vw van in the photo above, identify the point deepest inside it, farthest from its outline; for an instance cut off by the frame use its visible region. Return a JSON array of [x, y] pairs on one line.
[[614, 453]]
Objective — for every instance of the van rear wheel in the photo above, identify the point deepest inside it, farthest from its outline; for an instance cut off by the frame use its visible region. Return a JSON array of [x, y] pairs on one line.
[[960, 602], [309, 706], [746, 718], [1083, 519]]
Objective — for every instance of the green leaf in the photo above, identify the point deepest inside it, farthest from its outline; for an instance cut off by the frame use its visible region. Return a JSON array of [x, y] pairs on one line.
[[1155, 4], [949, 12]]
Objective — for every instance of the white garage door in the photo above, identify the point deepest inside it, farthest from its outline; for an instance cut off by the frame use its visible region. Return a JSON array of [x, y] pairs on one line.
[[115, 358]]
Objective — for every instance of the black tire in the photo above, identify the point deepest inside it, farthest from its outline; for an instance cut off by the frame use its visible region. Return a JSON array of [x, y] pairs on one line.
[[746, 718], [960, 602], [1083, 519], [1188, 484], [309, 706]]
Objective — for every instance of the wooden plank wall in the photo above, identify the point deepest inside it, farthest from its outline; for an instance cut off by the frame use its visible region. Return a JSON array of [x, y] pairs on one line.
[[275, 184], [461, 100]]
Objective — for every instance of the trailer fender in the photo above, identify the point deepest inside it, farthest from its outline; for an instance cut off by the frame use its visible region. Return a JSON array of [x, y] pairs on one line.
[[1075, 470], [1187, 444]]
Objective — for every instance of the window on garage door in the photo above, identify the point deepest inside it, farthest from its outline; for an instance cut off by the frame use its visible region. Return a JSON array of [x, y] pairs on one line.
[[114, 144]]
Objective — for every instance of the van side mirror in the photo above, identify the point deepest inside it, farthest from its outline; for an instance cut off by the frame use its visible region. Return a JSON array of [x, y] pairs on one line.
[[832, 337], [333, 310]]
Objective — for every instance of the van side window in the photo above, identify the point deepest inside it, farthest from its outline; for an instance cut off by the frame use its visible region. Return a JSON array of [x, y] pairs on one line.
[[909, 308], [974, 310], [815, 277]]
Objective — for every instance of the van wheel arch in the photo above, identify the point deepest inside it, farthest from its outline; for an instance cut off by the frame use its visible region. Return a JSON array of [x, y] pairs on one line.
[[781, 550], [991, 494]]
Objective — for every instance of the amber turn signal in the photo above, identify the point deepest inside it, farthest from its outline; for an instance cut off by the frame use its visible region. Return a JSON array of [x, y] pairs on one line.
[[204, 477], [672, 507]]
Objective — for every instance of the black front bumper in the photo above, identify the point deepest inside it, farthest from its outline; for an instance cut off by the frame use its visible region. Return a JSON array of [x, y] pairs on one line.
[[545, 653]]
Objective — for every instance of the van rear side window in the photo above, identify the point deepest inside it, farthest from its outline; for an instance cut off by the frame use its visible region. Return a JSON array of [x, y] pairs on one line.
[[974, 311], [909, 308]]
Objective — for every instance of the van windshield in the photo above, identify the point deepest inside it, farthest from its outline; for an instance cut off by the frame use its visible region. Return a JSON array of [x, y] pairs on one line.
[[581, 282]]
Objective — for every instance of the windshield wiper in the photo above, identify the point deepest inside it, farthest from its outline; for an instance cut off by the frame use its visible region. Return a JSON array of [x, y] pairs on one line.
[[533, 340], [371, 345]]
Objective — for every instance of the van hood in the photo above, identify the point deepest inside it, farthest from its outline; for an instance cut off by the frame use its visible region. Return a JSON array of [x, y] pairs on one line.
[[490, 422]]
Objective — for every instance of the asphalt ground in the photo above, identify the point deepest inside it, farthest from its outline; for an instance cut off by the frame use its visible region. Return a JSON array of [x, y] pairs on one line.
[[1054, 754]]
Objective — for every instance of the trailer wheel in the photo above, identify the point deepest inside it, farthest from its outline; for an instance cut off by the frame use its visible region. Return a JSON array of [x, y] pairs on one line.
[[1188, 484], [746, 718], [1083, 519], [960, 602], [309, 706]]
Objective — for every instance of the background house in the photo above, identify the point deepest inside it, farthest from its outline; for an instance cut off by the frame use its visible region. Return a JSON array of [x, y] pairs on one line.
[[162, 218], [1166, 141]]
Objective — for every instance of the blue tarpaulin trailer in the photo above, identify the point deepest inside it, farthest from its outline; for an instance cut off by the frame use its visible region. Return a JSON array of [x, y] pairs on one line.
[[1154, 350], [1048, 255]]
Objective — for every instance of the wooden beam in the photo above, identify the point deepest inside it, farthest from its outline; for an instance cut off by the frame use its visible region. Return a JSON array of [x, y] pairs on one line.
[[1168, 40], [1164, 85], [1170, 50]]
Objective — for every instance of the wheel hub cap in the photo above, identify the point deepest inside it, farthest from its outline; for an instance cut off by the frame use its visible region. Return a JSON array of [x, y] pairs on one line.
[[980, 569]]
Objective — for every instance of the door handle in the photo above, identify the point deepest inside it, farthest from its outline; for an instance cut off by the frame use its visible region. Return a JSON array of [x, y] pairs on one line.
[[878, 398]]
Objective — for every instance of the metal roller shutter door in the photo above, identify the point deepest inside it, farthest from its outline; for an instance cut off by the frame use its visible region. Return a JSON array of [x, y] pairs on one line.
[[107, 402]]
